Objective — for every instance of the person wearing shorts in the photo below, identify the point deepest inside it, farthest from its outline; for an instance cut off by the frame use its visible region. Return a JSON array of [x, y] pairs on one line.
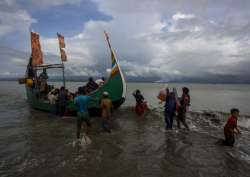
[[81, 102], [107, 108]]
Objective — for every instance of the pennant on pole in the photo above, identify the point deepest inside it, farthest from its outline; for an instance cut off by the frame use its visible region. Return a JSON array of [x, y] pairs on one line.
[[63, 55], [61, 40], [37, 55], [62, 46]]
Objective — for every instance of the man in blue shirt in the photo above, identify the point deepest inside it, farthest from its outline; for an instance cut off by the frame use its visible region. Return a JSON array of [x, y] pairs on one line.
[[81, 101]]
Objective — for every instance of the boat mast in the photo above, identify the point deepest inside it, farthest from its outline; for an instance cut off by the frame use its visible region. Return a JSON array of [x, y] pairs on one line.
[[116, 63], [64, 85]]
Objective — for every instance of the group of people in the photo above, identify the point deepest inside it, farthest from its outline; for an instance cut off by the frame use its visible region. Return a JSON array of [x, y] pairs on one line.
[[172, 106], [64, 103], [81, 101], [39, 84], [61, 101], [93, 85], [59, 98], [179, 105]]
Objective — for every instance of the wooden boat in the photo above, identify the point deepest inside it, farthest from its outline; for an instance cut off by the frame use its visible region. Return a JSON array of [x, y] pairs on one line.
[[115, 85]]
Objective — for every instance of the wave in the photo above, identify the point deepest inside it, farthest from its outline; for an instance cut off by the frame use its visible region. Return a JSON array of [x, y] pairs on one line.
[[213, 118]]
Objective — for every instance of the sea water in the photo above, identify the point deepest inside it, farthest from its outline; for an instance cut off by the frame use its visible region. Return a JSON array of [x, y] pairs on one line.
[[34, 143]]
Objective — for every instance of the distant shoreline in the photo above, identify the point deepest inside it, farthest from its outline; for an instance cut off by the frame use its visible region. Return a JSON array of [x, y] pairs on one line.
[[139, 81]]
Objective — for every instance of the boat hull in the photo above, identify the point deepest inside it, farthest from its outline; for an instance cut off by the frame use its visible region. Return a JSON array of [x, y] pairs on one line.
[[114, 86]]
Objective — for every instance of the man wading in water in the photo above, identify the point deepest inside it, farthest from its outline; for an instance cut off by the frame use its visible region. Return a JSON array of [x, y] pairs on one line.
[[170, 108], [81, 101], [182, 109], [107, 108]]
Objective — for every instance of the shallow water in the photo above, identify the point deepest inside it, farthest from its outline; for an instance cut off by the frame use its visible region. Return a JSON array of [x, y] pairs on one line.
[[34, 143]]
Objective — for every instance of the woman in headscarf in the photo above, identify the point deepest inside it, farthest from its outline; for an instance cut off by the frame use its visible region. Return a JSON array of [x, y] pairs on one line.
[[141, 105]]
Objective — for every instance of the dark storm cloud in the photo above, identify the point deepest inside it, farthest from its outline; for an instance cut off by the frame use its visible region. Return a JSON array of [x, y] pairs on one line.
[[161, 40]]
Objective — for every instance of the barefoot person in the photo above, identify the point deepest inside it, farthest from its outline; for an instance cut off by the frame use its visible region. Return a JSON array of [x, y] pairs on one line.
[[81, 101], [107, 107], [182, 108], [230, 129]]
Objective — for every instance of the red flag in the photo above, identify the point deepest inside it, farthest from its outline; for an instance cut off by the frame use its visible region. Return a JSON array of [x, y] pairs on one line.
[[63, 55], [37, 55], [62, 46], [61, 40]]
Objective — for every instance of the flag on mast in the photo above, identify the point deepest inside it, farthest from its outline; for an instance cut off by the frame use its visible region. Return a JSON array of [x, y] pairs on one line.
[[62, 47], [63, 55], [37, 55]]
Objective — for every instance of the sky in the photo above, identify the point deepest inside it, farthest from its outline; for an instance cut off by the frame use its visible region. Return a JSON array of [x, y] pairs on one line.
[[160, 40]]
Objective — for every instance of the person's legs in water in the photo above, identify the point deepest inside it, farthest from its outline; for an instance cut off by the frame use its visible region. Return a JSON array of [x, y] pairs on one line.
[[179, 117], [139, 109], [53, 108], [183, 120], [105, 125], [88, 126], [81, 116], [110, 123], [167, 119], [62, 108], [171, 117], [78, 127], [229, 139], [57, 109]]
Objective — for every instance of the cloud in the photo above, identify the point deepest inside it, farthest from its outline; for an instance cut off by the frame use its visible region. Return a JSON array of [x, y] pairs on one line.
[[15, 24], [180, 16], [45, 4], [181, 22], [13, 62], [13, 18], [160, 39], [18, 21], [48, 3]]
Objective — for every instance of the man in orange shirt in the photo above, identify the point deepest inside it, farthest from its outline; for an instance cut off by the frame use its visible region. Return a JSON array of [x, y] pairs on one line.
[[107, 108]]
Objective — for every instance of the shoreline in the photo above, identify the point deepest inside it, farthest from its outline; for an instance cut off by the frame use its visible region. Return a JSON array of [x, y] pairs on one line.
[[139, 81]]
